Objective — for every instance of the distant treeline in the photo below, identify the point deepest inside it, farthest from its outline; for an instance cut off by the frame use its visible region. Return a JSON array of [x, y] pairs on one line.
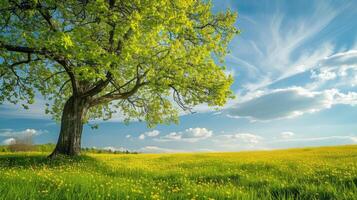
[[96, 150], [49, 148]]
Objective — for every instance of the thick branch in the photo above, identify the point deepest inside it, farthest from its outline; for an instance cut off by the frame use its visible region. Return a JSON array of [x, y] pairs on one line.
[[21, 49], [98, 87], [116, 96], [66, 67]]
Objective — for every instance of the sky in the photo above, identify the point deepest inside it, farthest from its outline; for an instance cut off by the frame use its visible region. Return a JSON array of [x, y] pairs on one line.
[[295, 71]]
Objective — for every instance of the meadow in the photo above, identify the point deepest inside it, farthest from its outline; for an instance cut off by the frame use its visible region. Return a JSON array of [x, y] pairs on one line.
[[307, 173]]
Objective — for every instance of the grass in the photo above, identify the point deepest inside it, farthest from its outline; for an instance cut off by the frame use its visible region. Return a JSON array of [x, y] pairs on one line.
[[309, 173]]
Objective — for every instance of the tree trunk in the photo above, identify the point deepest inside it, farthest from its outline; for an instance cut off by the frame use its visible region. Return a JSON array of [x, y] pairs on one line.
[[69, 141]]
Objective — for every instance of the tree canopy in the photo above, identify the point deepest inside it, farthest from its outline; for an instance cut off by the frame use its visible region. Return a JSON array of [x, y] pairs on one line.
[[136, 57]]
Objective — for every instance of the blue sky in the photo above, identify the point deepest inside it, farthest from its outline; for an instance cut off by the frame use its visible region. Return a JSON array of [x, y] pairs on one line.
[[295, 70]]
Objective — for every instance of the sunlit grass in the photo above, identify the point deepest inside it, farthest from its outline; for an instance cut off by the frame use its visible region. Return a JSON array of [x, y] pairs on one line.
[[310, 173]]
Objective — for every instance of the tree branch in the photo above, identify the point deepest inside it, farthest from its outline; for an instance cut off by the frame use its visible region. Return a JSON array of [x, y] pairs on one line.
[[98, 87], [110, 97], [64, 84], [116, 96], [59, 59], [53, 75], [47, 16], [21, 49], [178, 99], [65, 65], [13, 70]]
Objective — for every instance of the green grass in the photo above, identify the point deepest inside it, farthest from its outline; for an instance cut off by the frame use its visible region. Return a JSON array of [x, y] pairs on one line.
[[309, 173]]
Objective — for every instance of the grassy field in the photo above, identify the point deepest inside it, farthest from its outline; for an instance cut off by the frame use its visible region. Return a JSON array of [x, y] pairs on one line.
[[309, 173]]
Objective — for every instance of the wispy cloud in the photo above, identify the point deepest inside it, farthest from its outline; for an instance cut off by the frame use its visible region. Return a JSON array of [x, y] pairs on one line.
[[312, 141], [248, 138], [335, 137], [156, 149], [189, 135], [239, 141], [36, 110], [287, 134], [114, 149], [153, 133], [26, 132], [141, 136], [277, 48], [289, 102], [337, 70]]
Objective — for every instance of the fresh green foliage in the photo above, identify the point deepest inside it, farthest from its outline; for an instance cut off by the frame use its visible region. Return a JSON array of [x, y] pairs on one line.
[[131, 56], [309, 173]]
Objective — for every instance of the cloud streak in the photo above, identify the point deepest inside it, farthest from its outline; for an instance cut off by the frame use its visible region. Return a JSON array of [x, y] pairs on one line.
[[277, 47], [287, 134], [289, 102], [152, 133], [189, 135], [26, 132], [157, 149]]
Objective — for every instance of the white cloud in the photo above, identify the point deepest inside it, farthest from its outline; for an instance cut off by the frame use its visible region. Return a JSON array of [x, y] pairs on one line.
[[324, 74], [282, 103], [334, 138], [26, 132], [36, 110], [156, 149], [13, 135], [153, 133], [141, 136], [172, 136], [289, 103], [278, 47], [128, 136], [354, 139], [9, 141], [349, 98], [198, 133], [244, 137], [189, 135], [340, 69], [113, 149], [342, 58], [286, 134], [239, 141], [284, 49]]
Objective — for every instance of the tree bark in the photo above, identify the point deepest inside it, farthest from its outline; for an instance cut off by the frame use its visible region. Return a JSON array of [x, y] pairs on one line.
[[69, 141]]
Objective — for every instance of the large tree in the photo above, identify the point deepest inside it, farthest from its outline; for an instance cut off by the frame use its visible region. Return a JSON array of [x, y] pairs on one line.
[[92, 58]]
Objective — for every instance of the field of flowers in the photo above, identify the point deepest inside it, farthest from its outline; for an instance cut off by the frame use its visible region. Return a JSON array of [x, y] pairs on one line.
[[309, 173]]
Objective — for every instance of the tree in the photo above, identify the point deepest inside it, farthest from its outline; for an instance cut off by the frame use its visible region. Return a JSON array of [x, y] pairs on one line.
[[90, 59]]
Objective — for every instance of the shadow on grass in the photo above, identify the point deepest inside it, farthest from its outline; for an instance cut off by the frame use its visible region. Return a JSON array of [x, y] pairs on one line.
[[83, 163], [26, 161]]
